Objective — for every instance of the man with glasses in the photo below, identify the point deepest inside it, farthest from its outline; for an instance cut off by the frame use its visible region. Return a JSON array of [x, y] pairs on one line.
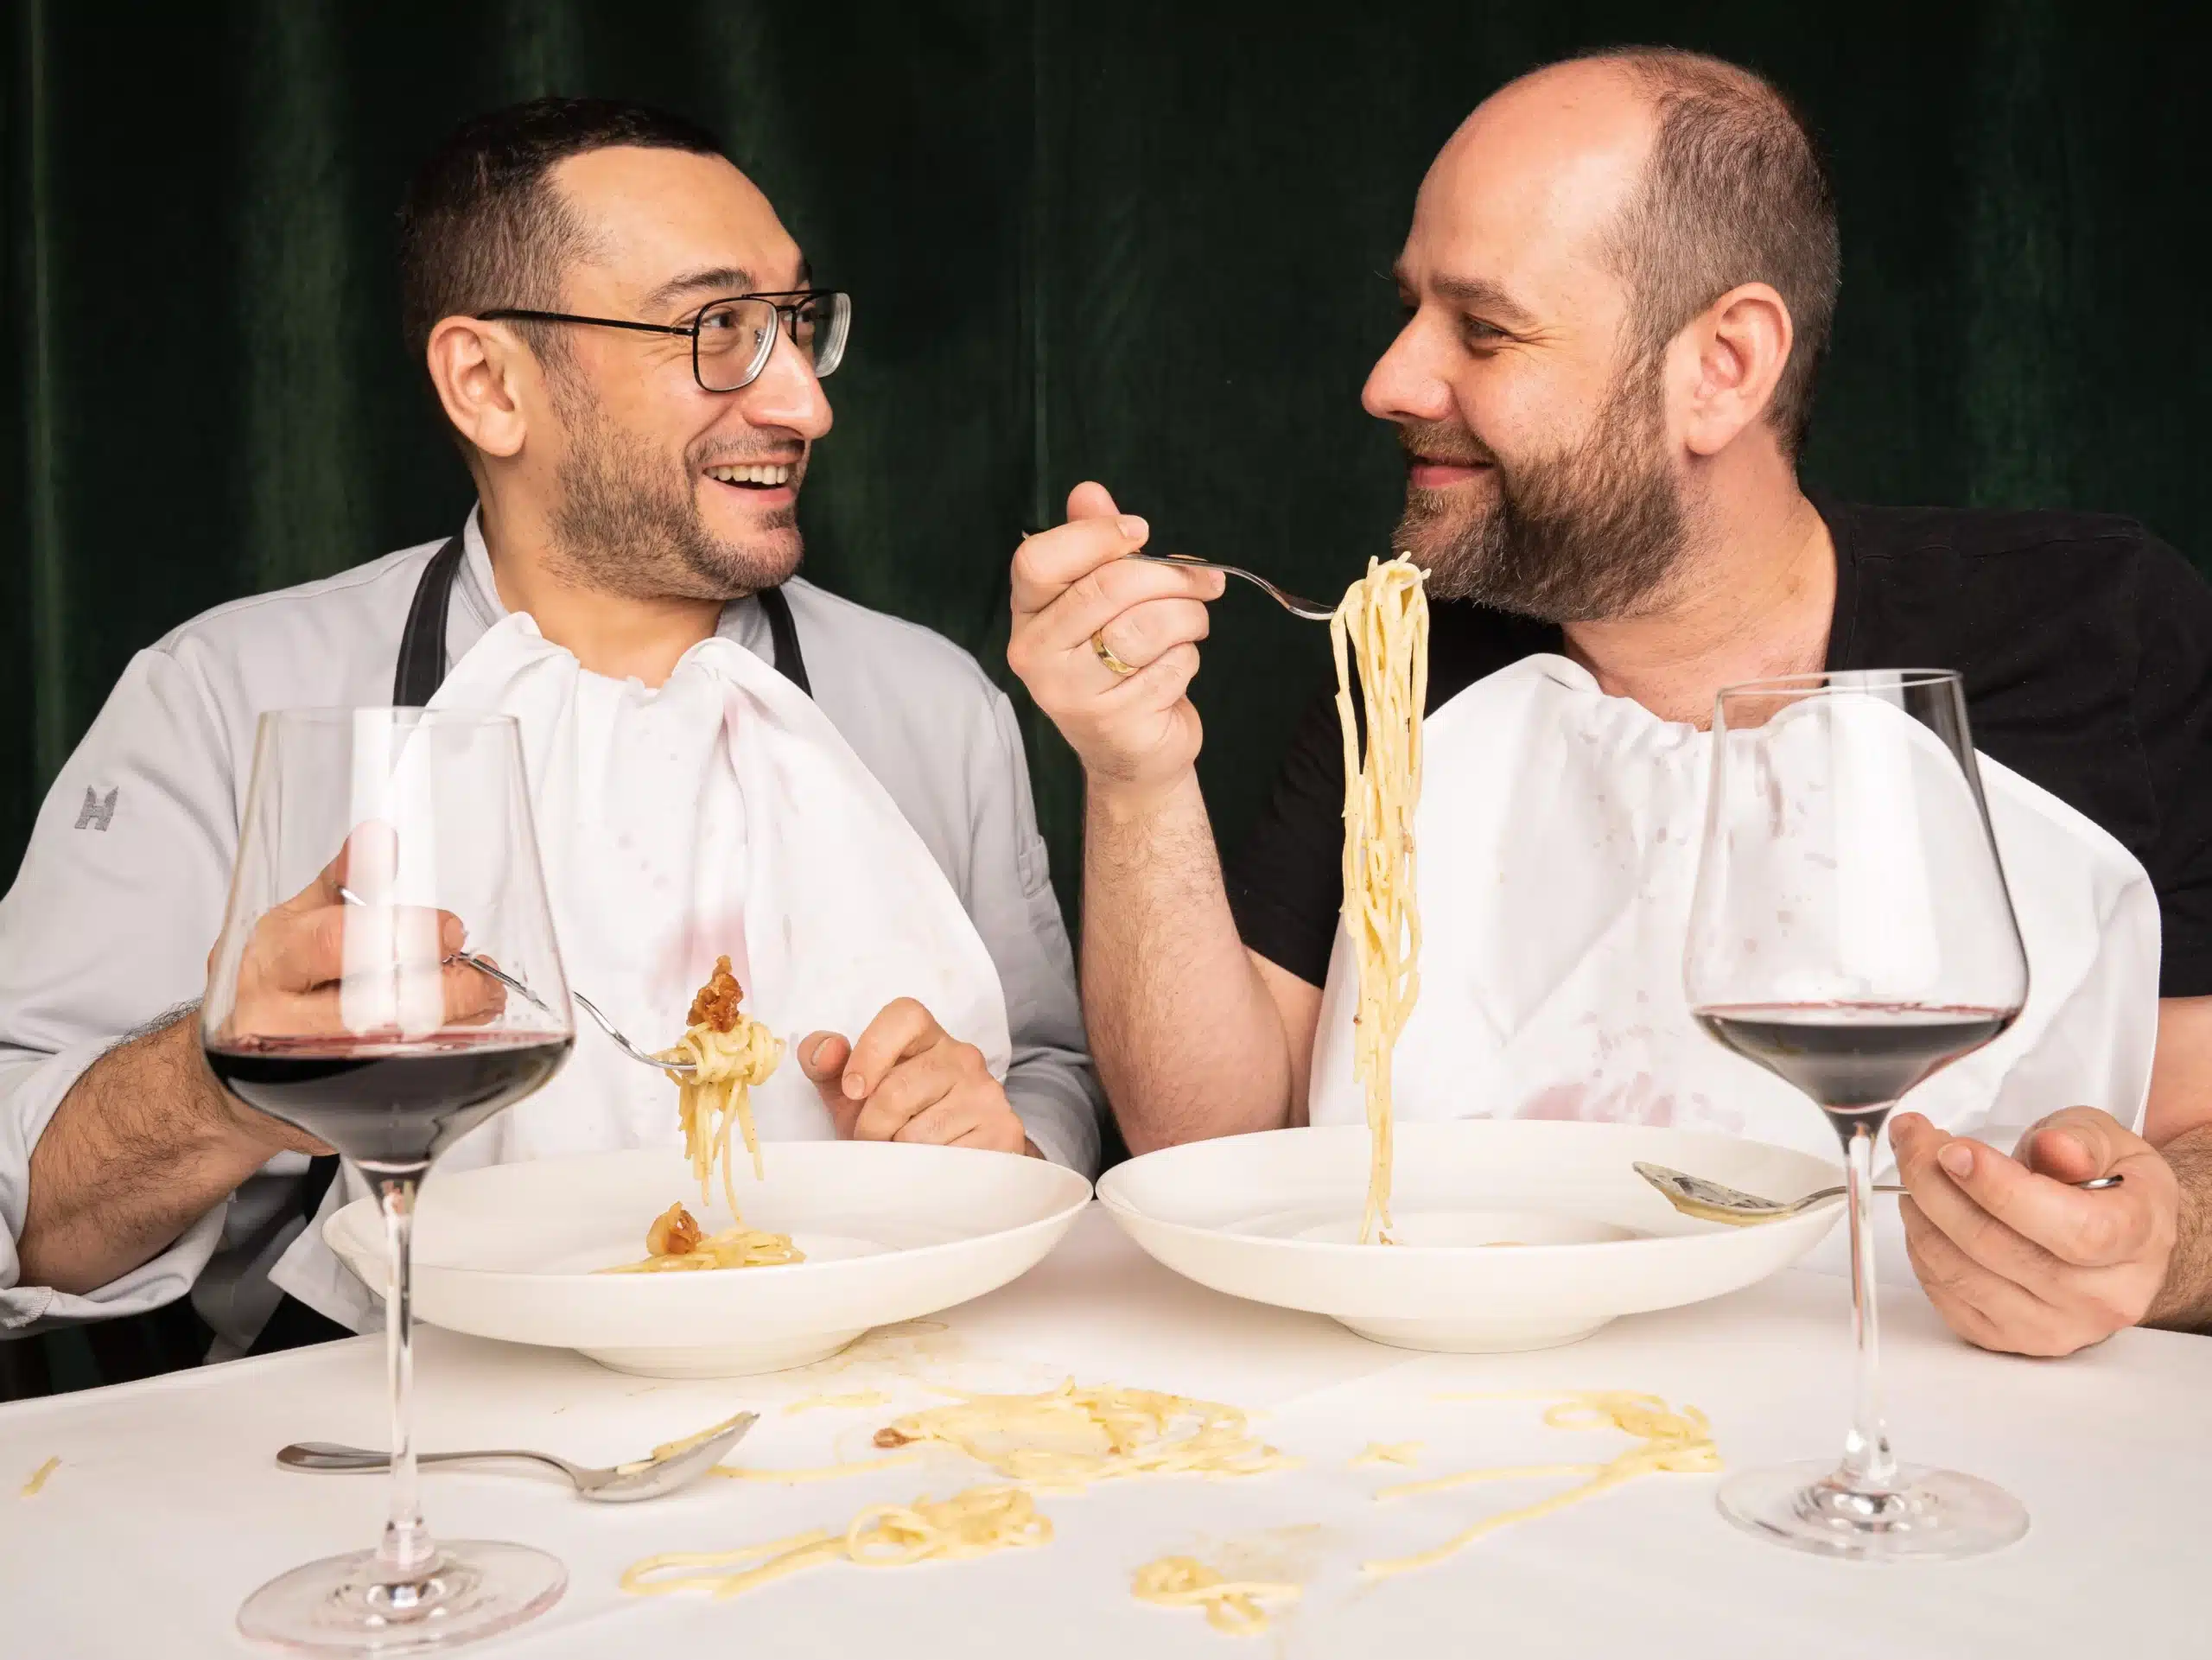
[[629, 349]]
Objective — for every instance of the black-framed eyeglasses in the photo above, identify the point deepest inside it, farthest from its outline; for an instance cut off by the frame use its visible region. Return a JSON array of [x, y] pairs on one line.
[[732, 339]]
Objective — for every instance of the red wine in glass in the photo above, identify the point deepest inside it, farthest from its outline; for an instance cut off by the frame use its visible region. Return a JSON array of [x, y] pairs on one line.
[[388, 1106], [1852, 933], [1854, 1060], [376, 844]]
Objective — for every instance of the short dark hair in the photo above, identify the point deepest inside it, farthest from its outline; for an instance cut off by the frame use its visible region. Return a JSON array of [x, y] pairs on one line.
[[1734, 191], [482, 226]]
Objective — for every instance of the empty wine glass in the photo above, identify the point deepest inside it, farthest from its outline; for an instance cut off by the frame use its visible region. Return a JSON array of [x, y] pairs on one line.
[[350, 1019], [1852, 933]]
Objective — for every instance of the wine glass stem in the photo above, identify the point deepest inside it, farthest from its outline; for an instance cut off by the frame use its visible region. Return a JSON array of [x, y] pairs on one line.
[[406, 1550], [1868, 1464]]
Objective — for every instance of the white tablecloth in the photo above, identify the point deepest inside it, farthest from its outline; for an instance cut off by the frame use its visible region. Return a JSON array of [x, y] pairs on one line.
[[167, 1507]]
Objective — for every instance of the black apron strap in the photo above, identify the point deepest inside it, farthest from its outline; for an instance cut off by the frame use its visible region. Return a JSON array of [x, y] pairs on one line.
[[783, 634], [416, 678], [421, 667]]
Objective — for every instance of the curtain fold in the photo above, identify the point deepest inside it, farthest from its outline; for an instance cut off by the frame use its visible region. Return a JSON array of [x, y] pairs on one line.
[[35, 231]]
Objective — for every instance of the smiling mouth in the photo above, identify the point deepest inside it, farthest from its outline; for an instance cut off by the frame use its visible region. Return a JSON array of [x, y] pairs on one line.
[[1432, 472], [754, 475]]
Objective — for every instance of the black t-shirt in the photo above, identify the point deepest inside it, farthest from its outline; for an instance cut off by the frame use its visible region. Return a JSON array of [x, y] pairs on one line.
[[2085, 645]]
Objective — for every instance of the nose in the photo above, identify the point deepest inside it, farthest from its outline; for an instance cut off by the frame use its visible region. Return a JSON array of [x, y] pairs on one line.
[[1408, 382], [787, 393]]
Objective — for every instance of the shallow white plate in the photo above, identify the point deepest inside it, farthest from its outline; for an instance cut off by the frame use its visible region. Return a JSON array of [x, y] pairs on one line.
[[891, 1232], [1515, 1235]]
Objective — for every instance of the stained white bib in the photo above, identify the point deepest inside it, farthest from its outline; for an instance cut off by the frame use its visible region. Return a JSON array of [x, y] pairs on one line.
[[1558, 835], [723, 813]]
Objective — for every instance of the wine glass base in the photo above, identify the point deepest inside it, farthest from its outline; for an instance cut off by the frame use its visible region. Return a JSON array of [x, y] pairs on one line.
[[1931, 1515], [472, 1589]]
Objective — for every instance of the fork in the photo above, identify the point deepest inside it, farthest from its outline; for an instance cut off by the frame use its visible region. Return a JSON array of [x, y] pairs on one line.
[[1311, 610], [484, 966]]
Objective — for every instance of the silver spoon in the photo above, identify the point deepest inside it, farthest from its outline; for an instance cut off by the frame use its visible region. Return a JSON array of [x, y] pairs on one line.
[[677, 1466], [1713, 1201], [484, 965], [1311, 610]]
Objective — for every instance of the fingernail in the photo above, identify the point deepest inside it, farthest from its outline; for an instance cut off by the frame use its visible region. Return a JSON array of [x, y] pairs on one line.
[[1134, 528], [820, 1049], [853, 1086], [1957, 1158]]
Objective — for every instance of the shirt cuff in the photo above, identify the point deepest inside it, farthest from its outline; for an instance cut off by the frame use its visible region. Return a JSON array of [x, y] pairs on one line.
[[1058, 1112]]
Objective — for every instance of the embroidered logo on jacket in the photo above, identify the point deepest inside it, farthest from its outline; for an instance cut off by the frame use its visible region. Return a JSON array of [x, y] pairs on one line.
[[97, 810]]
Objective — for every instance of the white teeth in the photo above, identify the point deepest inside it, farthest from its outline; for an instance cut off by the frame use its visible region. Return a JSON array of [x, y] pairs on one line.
[[764, 473]]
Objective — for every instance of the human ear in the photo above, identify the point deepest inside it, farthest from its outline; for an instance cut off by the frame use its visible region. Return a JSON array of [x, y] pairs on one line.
[[480, 369], [1741, 343]]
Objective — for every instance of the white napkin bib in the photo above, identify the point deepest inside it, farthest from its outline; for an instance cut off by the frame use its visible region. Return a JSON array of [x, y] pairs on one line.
[[1558, 834], [723, 813]]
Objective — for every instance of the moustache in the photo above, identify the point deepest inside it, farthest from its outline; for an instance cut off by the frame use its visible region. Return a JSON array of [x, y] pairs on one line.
[[1445, 444], [768, 454]]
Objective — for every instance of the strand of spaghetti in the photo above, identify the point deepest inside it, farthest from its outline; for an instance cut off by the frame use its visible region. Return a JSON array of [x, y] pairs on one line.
[[1677, 1441], [975, 1523], [1460, 1542], [1231, 1606], [725, 1067], [32, 1488], [820, 1472], [637, 1582], [737, 1105], [1381, 629]]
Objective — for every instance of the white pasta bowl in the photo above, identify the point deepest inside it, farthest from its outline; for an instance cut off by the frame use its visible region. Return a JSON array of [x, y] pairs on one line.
[[891, 1232], [1514, 1235]]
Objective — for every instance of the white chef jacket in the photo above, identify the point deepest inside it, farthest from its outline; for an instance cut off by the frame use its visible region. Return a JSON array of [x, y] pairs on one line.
[[122, 890]]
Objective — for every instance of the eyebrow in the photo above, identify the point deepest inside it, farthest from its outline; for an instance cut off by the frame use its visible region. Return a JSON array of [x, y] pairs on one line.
[[719, 279], [1479, 294], [727, 279]]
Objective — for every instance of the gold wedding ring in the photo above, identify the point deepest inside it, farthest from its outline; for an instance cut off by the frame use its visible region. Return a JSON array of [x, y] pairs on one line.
[[1106, 655]]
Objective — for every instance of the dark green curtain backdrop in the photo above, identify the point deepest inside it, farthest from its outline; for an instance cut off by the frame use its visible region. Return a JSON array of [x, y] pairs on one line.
[[1139, 242], [1144, 242]]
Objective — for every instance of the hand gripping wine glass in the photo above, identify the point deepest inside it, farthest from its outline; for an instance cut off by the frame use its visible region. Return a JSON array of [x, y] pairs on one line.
[[1852, 933], [348, 1018]]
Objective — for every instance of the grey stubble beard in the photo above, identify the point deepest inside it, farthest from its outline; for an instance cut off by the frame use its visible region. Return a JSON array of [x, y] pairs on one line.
[[1600, 530]]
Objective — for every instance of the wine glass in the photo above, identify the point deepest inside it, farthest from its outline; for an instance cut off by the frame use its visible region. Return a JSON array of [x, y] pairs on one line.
[[377, 844], [1852, 933]]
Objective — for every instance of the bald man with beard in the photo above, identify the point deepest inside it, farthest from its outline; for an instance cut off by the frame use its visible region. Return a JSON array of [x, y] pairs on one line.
[[1617, 287]]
